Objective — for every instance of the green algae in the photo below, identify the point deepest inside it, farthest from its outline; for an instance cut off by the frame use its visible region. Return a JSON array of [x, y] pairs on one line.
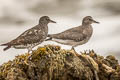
[[53, 63]]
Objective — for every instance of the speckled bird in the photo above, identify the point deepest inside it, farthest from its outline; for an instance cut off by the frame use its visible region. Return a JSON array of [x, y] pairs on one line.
[[31, 37], [75, 36]]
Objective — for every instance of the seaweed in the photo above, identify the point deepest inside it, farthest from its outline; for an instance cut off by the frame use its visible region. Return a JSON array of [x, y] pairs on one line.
[[53, 63]]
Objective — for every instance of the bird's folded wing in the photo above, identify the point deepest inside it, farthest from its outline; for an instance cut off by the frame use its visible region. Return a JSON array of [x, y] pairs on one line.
[[28, 37], [76, 36]]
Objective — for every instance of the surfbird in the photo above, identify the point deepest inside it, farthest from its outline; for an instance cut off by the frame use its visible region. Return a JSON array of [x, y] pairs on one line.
[[75, 36], [31, 37]]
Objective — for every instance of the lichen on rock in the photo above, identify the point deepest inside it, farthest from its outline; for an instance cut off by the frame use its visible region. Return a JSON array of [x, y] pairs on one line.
[[53, 63]]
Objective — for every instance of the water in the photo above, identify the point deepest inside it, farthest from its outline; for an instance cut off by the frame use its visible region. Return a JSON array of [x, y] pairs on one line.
[[105, 39]]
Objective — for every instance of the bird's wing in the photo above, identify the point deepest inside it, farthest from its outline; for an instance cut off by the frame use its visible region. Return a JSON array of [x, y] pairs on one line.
[[30, 36], [75, 34]]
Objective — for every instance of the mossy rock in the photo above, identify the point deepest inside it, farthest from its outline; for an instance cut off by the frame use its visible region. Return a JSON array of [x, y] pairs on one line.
[[53, 63]]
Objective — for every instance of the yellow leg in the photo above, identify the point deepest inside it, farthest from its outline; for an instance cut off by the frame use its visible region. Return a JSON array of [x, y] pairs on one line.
[[28, 57], [75, 53]]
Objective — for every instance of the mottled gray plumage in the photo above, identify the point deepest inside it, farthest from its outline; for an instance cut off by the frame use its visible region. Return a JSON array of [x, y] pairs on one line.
[[31, 37], [77, 35]]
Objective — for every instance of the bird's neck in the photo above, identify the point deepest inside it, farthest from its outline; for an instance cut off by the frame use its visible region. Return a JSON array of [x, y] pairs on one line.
[[86, 25], [43, 24]]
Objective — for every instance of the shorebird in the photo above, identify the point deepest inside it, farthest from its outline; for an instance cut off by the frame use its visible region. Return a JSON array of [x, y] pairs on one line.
[[31, 37], [75, 36]]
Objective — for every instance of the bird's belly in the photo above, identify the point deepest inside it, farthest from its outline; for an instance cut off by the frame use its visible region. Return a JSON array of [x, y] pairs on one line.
[[20, 46], [26, 46], [71, 42]]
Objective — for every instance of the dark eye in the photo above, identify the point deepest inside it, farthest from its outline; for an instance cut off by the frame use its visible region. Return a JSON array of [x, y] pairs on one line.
[[47, 18], [90, 19]]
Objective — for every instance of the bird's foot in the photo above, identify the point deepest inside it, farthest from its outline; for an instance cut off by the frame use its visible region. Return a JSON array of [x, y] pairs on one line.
[[28, 58]]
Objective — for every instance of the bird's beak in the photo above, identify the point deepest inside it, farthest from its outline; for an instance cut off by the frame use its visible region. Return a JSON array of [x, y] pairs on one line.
[[52, 21], [95, 21]]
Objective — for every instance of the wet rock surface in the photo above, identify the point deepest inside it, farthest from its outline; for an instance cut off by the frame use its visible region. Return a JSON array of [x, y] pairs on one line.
[[53, 63]]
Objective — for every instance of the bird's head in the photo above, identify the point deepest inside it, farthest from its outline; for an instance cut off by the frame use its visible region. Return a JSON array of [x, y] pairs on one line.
[[46, 20], [88, 20]]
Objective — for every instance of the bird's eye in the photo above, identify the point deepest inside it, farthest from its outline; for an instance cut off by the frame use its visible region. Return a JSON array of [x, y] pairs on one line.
[[47, 18], [90, 19]]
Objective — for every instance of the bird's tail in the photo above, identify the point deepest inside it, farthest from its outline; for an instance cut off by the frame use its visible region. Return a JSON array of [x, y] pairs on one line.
[[6, 48]]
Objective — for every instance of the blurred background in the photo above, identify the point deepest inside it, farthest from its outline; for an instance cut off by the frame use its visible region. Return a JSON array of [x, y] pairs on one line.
[[16, 16]]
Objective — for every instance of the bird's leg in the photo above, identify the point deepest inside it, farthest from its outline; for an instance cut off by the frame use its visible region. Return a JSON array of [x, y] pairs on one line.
[[29, 49], [73, 49], [29, 56]]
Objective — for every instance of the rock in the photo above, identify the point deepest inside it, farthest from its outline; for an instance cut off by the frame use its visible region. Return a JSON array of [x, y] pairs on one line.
[[53, 63]]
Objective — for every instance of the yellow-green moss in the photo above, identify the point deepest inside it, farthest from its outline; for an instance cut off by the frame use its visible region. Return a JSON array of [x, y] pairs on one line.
[[56, 62]]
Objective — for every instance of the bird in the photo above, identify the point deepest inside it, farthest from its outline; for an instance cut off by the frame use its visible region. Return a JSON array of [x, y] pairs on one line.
[[31, 37], [75, 36]]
